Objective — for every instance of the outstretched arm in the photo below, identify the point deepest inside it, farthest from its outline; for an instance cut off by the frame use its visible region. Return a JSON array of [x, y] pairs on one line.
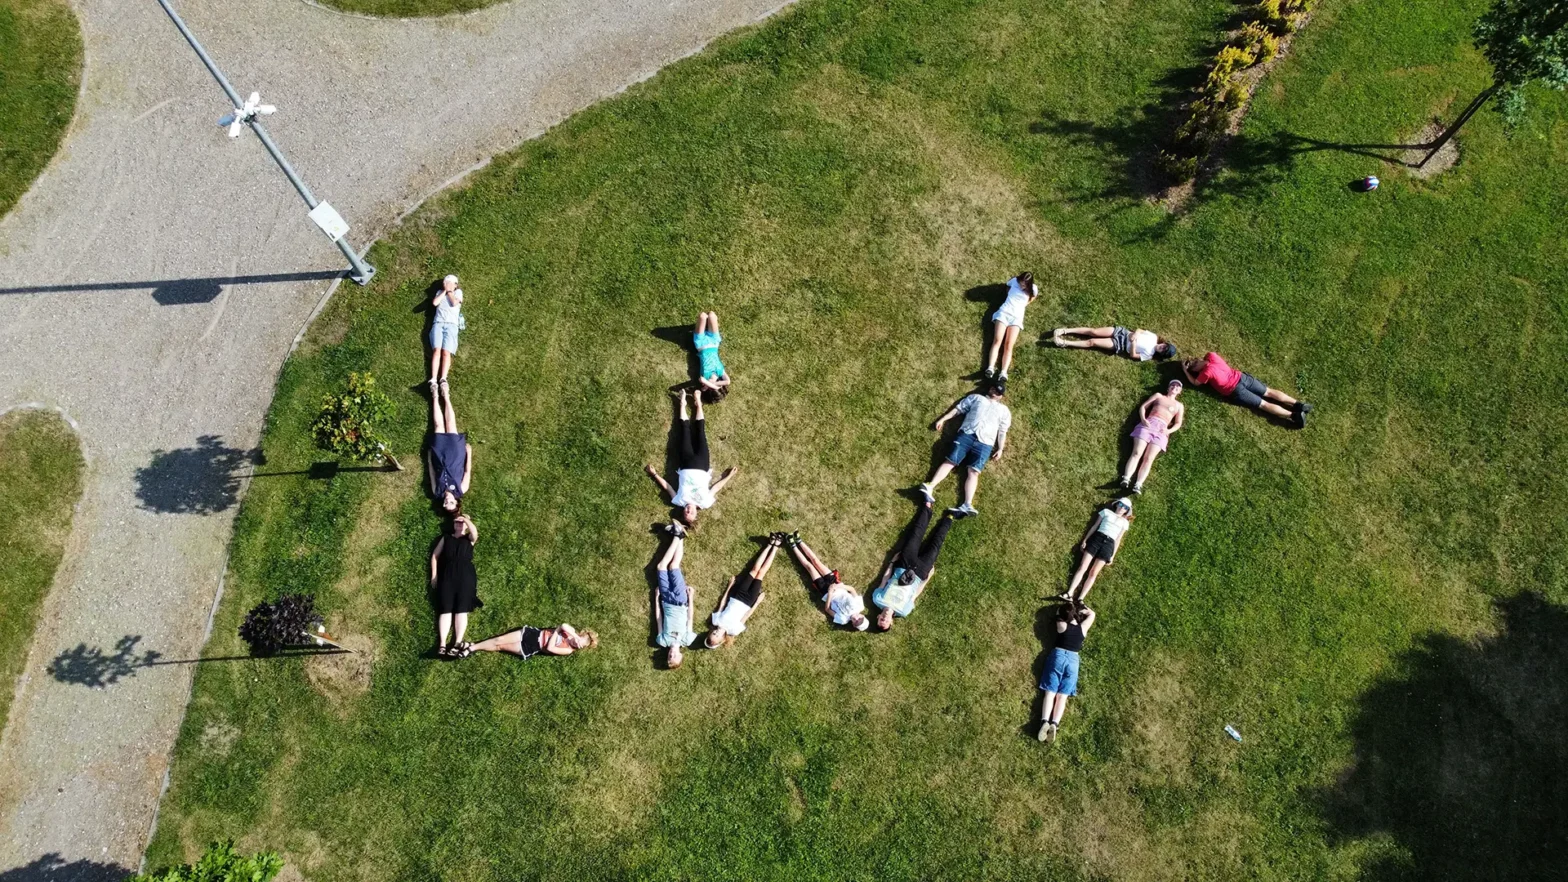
[[468, 465], [664, 486], [430, 469], [761, 596], [434, 556], [951, 412], [724, 479]]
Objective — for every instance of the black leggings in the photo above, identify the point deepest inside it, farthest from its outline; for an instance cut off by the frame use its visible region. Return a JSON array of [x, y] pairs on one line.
[[921, 559], [692, 448]]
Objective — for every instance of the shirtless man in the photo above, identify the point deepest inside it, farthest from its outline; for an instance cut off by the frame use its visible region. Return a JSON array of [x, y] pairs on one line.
[[1159, 416]]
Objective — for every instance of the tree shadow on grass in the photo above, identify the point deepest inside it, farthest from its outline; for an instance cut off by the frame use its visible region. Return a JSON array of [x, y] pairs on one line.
[[54, 868], [1460, 755], [98, 668], [204, 479]]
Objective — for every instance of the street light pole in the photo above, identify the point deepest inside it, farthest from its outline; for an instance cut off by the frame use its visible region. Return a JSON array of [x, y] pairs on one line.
[[320, 212]]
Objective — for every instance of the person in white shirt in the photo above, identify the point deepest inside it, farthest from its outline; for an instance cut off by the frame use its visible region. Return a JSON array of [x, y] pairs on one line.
[[1138, 345], [1008, 321], [443, 331], [693, 469], [1099, 546], [741, 597], [843, 604], [981, 438]]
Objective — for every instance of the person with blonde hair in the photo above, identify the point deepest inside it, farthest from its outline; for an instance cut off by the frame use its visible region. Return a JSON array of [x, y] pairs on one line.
[[528, 641], [741, 597], [843, 604], [672, 602]]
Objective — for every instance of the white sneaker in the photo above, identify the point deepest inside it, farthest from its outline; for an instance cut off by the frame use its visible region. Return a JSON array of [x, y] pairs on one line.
[[927, 492], [1050, 733], [1045, 731]]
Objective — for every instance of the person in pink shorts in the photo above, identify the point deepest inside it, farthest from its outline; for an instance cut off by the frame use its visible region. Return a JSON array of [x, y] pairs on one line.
[[1159, 416]]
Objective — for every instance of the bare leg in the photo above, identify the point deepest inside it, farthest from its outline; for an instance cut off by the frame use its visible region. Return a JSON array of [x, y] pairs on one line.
[[672, 555], [1046, 707], [823, 569], [460, 627], [702, 323], [805, 558], [436, 414], [1138, 445], [1086, 332], [1280, 397], [998, 331], [435, 364], [443, 628], [971, 483], [1010, 339], [941, 473], [1103, 343], [451, 416], [1088, 582], [1273, 409], [764, 562], [1148, 463], [446, 363], [1083, 567], [698, 403], [685, 407], [713, 322], [1058, 708], [511, 641]]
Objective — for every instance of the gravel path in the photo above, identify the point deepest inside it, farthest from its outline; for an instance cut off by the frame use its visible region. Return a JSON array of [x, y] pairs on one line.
[[151, 283]]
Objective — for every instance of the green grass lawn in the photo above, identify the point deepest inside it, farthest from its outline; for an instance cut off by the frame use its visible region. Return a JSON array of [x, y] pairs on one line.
[[40, 67], [833, 183], [409, 8], [40, 481]]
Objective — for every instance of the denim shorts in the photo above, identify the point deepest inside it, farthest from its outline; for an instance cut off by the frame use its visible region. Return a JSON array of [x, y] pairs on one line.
[[968, 451], [1061, 672], [443, 335], [1249, 391]]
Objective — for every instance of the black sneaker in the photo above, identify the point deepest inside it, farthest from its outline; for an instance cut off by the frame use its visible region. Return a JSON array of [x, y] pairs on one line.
[[1303, 408], [1299, 420]]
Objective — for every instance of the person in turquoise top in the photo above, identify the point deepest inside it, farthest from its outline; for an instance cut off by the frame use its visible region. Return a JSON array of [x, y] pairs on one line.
[[909, 572], [715, 379]]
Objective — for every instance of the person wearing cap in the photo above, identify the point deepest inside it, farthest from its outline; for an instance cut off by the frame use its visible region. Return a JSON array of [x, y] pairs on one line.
[[981, 438], [843, 604], [1138, 345], [443, 331], [1099, 546], [1158, 417], [1245, 389]]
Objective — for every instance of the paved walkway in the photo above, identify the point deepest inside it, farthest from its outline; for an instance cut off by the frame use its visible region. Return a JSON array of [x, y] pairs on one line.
[[151, 283]]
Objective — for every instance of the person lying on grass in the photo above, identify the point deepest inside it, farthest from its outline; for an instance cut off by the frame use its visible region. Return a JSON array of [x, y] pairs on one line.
[[1158, 417], [1060, 679], [451, 457], [1008, 321], [714, 378], [1245, 389], [443, 331], [1099, 546], [908, 574], [528, 641], [981, 438], [672, 605], [843, 604], [455, 586], [1139, 345], [741, 597], [693, 468]]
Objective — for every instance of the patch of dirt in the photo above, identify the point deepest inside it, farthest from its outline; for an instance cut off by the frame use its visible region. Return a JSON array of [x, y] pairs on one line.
[[1444, 159], [218, 738], [344, 676]]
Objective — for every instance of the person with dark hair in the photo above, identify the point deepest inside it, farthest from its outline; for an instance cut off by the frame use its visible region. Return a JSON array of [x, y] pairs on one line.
[[1060, 679], [451, 458], [981, 438], [843, 604], [1138, 345], [528, 641], [909, 573], [714, 380], [454, 586], [1008, 321], [741, 597], [1158, 417], [1099, 546], [672, 603], [1245, 389], [693, 465]]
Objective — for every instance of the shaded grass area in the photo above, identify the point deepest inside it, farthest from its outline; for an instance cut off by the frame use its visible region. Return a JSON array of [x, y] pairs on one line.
[[408, 8], [40, 482], [833, 182], [40, 68]]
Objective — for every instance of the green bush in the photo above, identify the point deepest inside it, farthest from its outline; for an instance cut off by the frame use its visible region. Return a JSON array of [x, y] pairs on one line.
[[1256, 38], [347, 423], [1177, 167], [220, 864]]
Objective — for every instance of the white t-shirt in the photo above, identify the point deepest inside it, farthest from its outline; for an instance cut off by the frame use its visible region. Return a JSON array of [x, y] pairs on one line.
[[1143, 343], [984, 418], [1112, 524], [448, 311], [844, 604], [1012, 309], [732, 618], [692, 488]]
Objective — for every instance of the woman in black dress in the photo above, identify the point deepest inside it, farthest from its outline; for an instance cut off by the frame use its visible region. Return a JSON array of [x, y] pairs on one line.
[[454, 586]]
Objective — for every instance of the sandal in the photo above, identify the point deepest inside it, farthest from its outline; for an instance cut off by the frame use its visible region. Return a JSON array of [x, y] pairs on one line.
[[463, 650], [443, 652]]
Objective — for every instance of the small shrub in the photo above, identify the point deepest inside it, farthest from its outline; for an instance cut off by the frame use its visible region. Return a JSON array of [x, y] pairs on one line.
[[1178, 168], [1259, 40], [347, 423], [220, 863], [287, 621]]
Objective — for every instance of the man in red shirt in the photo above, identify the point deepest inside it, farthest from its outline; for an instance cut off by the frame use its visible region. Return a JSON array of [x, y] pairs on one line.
[[1245, 389]]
